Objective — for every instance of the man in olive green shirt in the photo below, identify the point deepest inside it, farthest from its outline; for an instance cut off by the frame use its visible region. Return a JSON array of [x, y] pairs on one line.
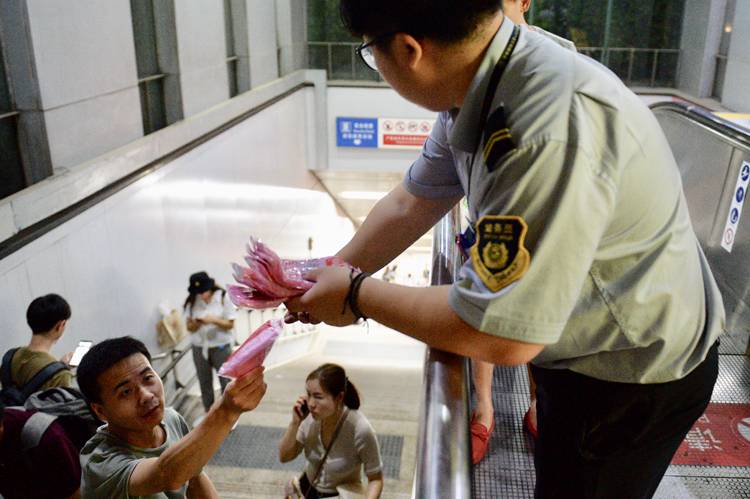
[[145, 450], [47, 317]]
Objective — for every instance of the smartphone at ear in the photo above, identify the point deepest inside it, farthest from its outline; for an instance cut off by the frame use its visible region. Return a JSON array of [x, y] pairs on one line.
[[303, 410]]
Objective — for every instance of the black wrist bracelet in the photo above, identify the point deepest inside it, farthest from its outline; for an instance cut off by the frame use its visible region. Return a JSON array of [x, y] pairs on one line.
[[349, 292], [354, 293]]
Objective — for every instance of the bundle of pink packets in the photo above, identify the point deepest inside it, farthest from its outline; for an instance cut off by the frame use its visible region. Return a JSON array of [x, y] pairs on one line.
[[268, 280], [253, 351]]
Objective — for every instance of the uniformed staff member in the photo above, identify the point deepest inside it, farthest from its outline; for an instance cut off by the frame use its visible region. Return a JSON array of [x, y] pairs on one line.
[[585, 259]]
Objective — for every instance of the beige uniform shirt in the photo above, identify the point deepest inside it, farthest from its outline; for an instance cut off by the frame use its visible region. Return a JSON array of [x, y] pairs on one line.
[[590, 251]]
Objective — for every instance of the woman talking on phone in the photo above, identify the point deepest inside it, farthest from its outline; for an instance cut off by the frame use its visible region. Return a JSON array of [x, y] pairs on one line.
[[338, 440]]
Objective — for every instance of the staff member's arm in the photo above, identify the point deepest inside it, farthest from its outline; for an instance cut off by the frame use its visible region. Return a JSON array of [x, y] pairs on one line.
[[422, 313], [392, 226]]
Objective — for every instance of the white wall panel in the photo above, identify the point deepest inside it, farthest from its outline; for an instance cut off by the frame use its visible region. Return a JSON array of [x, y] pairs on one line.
[[89, 273], [201, 48], [44, 270], [369, 103], [116, 262], [262, 43], [14, 299], [83, 48], [83, 130]]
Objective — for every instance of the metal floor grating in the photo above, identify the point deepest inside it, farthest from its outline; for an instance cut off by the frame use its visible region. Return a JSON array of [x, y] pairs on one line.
[[734, 343], [256, 447], [508, 469]]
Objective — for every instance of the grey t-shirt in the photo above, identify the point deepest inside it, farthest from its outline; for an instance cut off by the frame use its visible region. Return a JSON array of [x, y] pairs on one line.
[[586, 245], [107, 461], [355, 446]]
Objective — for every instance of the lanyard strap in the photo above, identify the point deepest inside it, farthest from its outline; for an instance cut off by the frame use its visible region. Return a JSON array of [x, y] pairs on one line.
[[497, 73], [489, 95]]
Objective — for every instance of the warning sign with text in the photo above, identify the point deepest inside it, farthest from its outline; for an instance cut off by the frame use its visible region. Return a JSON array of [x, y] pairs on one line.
[[721, 437], [403, 133]]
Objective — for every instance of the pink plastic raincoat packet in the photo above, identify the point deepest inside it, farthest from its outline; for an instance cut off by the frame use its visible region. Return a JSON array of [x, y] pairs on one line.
[[269, 280], [253, 350]]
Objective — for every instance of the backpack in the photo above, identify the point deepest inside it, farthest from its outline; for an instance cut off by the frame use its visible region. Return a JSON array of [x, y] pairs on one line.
[[64, 405], [12, 395]]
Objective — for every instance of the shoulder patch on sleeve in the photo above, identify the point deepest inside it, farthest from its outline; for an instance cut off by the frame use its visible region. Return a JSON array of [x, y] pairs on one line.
[[499, 256], [497, 138]]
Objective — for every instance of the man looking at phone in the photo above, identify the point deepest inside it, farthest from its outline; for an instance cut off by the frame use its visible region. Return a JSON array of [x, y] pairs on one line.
[[47, 317], [146, 449]]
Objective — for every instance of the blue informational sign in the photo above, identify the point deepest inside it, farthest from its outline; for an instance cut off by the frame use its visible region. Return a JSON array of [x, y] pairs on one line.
[[356, 132]]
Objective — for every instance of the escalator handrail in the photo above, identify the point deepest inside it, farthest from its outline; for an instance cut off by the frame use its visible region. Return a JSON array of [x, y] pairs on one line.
[[720, 126], [443, 467]]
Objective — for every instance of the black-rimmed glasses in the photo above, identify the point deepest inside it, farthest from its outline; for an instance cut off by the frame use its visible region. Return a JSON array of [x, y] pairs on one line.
[[364, 50]]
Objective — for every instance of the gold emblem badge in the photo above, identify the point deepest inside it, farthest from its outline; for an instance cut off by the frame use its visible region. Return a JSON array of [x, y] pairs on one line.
[[495, 255], [498, 255]]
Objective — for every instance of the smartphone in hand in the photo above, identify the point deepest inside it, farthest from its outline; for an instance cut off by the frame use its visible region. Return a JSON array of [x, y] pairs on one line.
[[80, 351]]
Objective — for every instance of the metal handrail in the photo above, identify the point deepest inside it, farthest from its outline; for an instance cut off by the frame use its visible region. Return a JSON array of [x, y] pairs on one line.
[[175, 354], [715, 124], [443, 450], [8, 114]]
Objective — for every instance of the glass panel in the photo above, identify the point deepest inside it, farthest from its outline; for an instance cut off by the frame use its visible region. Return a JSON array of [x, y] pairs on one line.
[[721, 69], [726, 32], [666, 69], [324, 23], [144, 34], [341, 61], [6, 104], [646, 23], [228, 28], [232, 75], [12, 177], [144, 108], [579, 20], [157, 114], [152, 105], [317, 56]]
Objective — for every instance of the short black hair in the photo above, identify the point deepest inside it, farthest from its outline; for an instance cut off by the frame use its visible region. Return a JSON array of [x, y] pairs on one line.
[[101, 357], [442, 20], [46, 311]]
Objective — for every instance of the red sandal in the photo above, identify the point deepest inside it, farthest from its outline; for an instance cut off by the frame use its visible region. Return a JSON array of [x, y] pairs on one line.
[[529, 426], [480, 439]]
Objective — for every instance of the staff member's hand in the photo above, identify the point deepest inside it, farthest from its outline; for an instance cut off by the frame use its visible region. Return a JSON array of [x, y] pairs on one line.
[[325, 300]]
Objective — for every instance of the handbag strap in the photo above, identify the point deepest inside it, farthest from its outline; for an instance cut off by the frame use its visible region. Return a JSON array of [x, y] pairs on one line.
[[314, 478]]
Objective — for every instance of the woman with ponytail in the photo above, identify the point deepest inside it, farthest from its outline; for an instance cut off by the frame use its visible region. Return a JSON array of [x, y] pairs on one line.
[[337, 438]]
